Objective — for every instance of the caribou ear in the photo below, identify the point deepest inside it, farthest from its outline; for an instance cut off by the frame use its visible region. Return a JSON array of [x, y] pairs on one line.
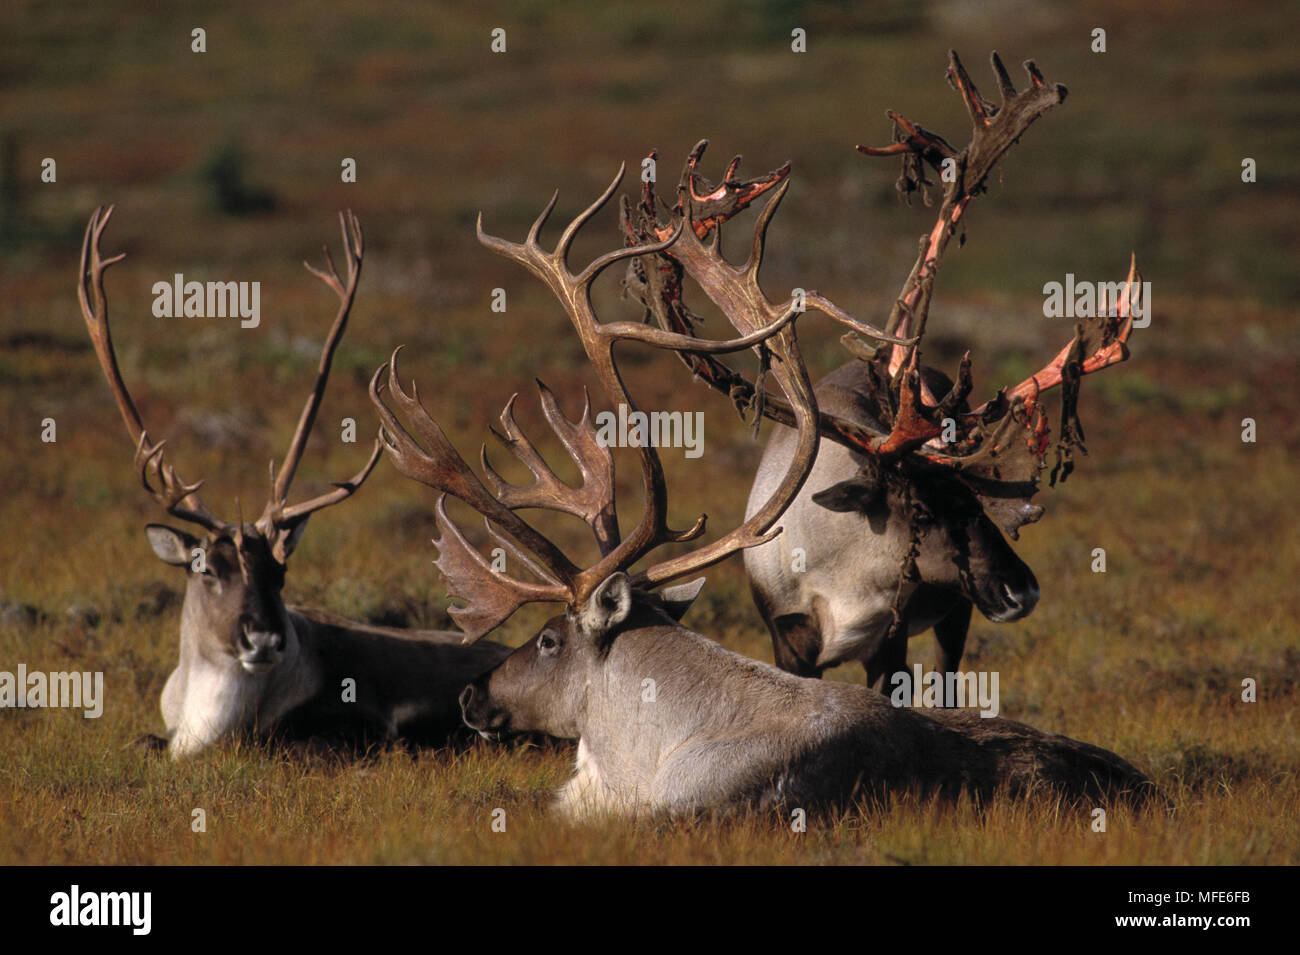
[[678, 599], [860, 494], [609, 605], [171, 546]]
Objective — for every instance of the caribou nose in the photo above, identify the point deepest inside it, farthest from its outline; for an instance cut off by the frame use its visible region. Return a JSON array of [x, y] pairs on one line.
[[1020, 600], [259, 649]]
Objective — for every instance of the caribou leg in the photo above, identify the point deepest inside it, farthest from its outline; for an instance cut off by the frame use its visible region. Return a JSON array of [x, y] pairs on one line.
[[951, 631], [890, 658]]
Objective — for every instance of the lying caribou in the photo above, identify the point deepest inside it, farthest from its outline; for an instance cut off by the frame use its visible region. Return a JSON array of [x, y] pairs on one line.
[[248, 662], [666, 720], [897, 528]]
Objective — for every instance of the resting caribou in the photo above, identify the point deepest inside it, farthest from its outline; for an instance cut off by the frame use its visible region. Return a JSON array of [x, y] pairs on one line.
[[246, 660], [897, 528], [667, 720]]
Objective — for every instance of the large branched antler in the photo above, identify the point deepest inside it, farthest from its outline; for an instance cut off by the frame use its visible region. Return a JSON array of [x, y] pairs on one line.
[[428, 456], [766, 324], [1004, 439], [157, 475], [490, 596], [1000, 446]]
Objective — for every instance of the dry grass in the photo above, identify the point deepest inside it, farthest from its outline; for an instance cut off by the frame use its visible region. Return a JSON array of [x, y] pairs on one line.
[[1146, 659]]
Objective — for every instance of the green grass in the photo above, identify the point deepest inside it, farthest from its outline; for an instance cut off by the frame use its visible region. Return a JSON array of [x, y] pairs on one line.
[[1146, 659]]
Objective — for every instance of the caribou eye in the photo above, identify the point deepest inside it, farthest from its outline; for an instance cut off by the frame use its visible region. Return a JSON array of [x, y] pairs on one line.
[[547, 642]]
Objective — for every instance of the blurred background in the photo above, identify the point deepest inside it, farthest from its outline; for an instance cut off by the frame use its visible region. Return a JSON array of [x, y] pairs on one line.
[[226, 165]]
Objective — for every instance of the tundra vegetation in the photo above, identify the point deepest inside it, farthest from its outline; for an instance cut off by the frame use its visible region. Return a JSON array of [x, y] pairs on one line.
[[1145, 659]]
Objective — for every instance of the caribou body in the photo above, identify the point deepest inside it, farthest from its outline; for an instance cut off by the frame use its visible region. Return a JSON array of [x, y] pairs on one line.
[[668, 721], [829, 585], [248, 662]]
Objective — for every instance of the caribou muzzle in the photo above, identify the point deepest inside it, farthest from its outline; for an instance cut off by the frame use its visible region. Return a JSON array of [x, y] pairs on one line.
[[1007, 598], [260, 650], [480, 713]]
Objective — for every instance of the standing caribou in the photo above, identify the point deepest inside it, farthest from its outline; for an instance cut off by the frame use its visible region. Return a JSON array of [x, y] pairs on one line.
[[668, 721], [246, 660], [896, 529]]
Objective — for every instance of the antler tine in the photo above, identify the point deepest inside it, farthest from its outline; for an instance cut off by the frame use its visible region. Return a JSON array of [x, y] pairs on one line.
[[571, 230], [1112, 350], [491, 596], [980, 109], [1005, 86], [593, 501], [177, 498], [277, 517], [441, 466], [342, 491]]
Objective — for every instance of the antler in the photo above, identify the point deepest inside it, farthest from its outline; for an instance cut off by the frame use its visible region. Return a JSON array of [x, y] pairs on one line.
[[995, 130], [158, 476], [490, 596], [593, 502], [766, 323], [278, 519], [914, 416], [990, 430]]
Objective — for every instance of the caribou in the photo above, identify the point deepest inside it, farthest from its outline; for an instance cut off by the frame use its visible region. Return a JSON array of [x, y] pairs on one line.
[[247, 661], [667, 720], [899, 526]]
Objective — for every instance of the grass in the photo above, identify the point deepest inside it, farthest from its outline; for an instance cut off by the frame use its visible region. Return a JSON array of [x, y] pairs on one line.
[[1146, 659]]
